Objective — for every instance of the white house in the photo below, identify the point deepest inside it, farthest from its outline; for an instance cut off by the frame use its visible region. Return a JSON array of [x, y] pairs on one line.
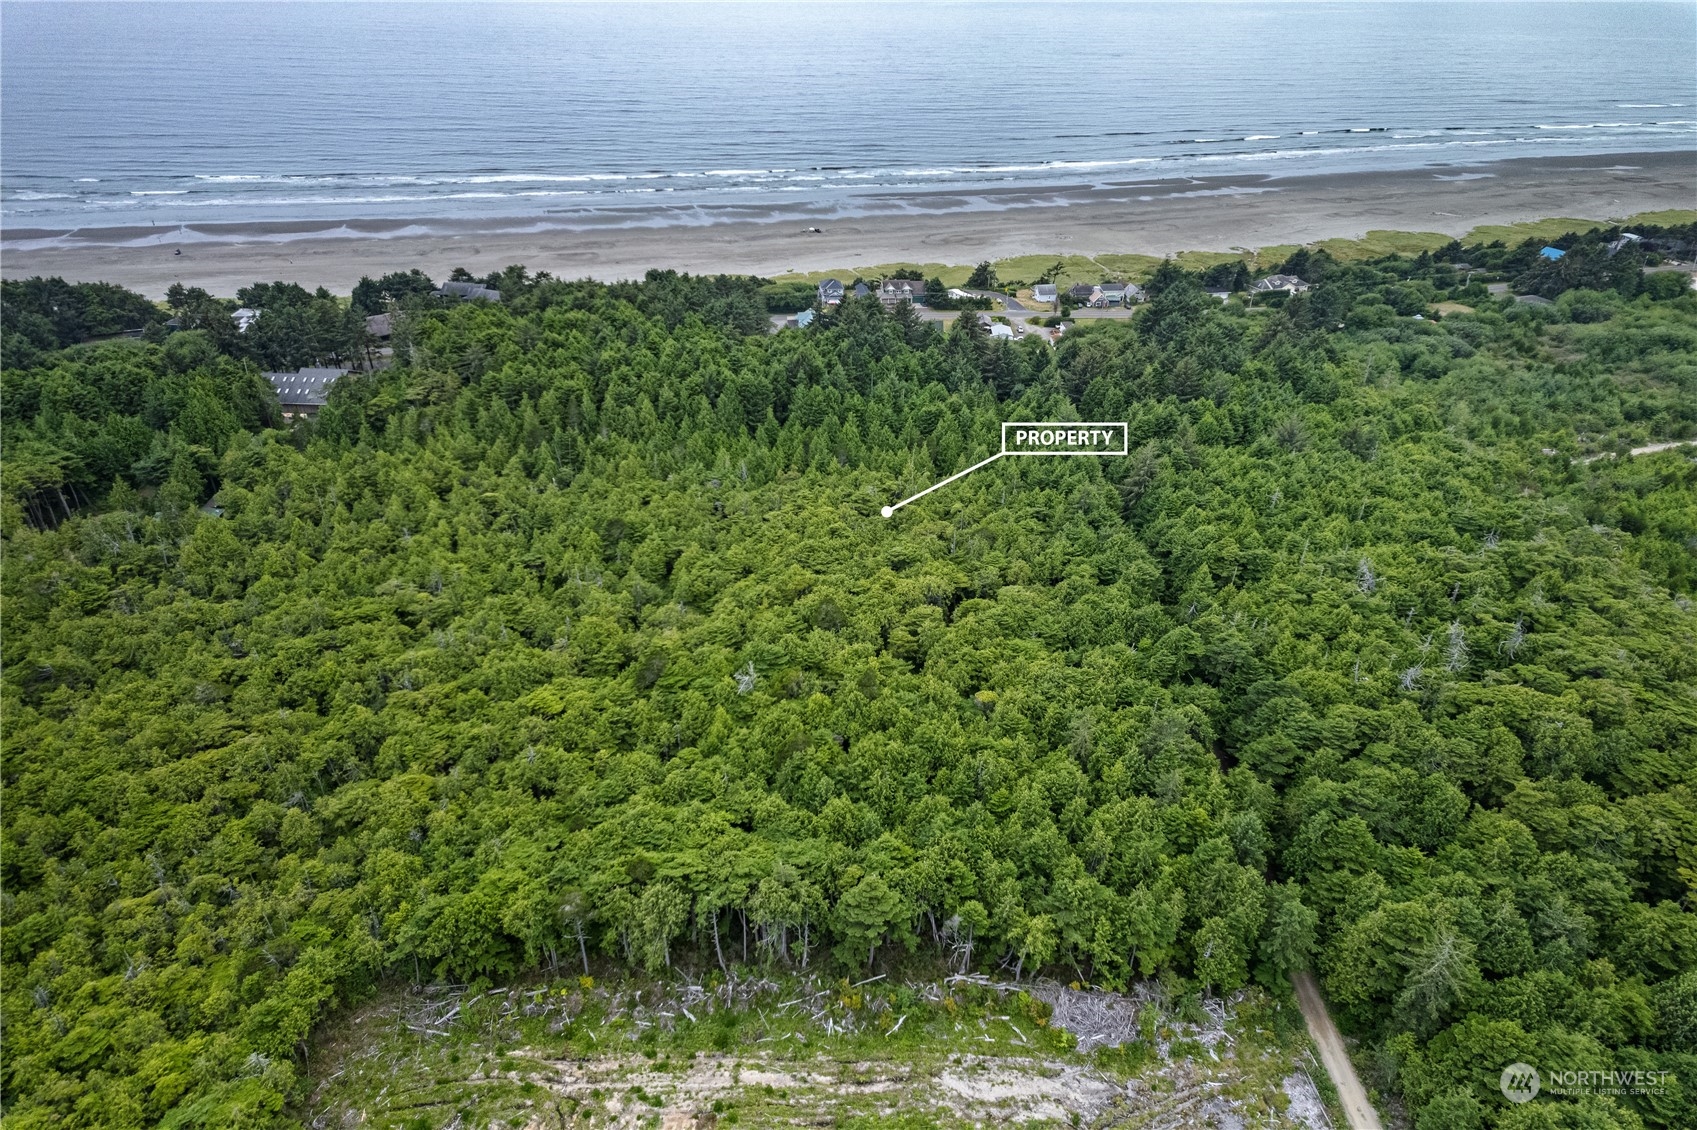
[[1627, 239], [1045, 292], [1290, 284]]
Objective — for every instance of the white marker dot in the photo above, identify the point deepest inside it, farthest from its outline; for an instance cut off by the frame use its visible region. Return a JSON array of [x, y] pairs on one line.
[[888, 511]]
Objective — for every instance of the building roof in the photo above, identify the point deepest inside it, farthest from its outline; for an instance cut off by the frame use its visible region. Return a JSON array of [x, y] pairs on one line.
[[304, 388], [470, 290], [999, 330], [831, 286], [893, 292], [1552, 252], [1082, 290], [1113, 288], [378, 326], [1044, 292], [860, 290], [1279, 282], [804, 319], [245, 317], [1533, 300]]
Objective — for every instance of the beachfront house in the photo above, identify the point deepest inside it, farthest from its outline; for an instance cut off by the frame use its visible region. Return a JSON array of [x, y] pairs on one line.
[[830, 292], [1551, 253], [1134, 293], [1616, 246], [1084, 294], [245, 317], [379, 327], [893, 292], [1045, 292], [802, 320], [1672, 248], [861, 290], [302, 392], [1110, 294], [1289, 284], [468, 292]]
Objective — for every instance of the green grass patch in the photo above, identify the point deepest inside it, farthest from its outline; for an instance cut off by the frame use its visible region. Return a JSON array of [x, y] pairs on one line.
[[1376, 244], [1070, 269], [1512, 234], [1667, 218], [951, 275]]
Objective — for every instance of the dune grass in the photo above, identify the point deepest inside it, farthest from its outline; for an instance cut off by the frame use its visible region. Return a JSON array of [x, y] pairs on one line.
[[1068, 269]]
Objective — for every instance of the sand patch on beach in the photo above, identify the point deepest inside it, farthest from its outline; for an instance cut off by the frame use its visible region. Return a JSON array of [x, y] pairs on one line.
[[1218, 213]]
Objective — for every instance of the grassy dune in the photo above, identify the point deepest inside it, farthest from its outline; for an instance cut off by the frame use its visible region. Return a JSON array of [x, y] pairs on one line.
[[1136, 268]]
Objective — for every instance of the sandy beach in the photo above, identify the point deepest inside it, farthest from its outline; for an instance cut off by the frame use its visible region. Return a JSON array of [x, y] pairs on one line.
[[1156, 218]]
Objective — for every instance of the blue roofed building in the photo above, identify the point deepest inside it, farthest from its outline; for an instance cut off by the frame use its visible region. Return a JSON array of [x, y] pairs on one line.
[[1552, 253]]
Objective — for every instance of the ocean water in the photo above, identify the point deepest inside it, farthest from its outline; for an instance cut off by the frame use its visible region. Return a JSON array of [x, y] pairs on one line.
[[608, 115]]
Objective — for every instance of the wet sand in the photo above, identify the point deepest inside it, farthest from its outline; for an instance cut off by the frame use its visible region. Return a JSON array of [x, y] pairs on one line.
[[1155, 218]]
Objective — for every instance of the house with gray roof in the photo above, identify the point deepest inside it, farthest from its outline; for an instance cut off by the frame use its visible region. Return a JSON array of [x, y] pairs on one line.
[[303, 392], [1290, 284], [469, 291], [893, 292]]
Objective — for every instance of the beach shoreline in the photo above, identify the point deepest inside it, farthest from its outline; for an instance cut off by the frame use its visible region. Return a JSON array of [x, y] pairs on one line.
[[1217, 213]]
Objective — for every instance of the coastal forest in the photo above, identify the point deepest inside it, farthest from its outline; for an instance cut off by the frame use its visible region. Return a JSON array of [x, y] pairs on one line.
[[573, 640]]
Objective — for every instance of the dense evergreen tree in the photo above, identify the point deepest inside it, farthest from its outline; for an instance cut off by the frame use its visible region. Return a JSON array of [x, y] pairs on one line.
[[578, 633]]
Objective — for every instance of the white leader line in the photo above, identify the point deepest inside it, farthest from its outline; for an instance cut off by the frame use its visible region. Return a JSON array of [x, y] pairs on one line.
[[890, 510], [1125, 437]]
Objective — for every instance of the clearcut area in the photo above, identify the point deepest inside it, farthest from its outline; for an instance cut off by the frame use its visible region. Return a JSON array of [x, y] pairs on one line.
[[756, 1052]]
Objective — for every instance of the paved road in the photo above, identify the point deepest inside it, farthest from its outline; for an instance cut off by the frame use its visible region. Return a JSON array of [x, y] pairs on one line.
[[1351, 1094]]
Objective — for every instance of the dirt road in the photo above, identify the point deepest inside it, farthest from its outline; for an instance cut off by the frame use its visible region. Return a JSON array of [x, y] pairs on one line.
[[1647, 449], [1351, 1094]]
